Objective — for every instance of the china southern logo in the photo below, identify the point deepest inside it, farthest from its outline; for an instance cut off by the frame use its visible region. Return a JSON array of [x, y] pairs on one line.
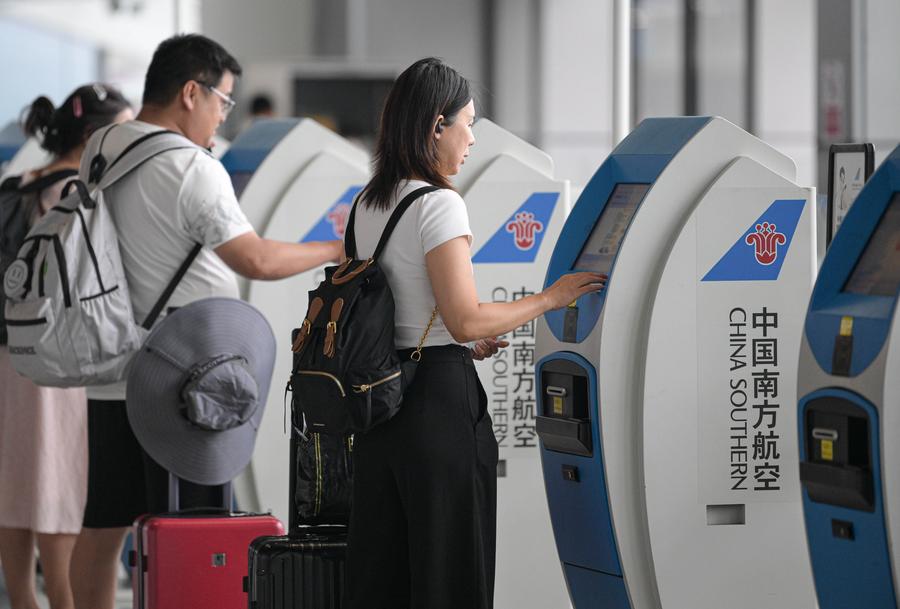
[[760, 251], [333, 224], [765, 242], [524, 227], [519, 238]]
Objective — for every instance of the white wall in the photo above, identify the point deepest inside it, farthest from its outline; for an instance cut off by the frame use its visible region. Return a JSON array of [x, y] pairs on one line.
[[786, 83], [402, 31], [261, 31], [59, 44], [45, 64], [882, 76], [576, 87]]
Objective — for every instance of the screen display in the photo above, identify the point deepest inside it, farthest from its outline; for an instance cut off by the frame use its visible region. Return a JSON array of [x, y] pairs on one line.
[[603, 243], [877, 272], [849, 178], [239, 180]]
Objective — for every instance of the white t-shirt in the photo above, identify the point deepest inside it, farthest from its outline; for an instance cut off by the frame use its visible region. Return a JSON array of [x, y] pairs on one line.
[[173, 201], [431, 221]]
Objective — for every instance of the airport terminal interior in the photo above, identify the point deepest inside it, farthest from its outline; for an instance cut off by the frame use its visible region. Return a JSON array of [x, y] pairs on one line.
[[712, 430]]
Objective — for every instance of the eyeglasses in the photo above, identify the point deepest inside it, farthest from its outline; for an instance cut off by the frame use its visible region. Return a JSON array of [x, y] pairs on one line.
[[228, 104]]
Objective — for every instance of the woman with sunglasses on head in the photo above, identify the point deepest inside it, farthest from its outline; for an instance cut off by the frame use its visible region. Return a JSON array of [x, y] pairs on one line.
[[423, 524], [43, 430]]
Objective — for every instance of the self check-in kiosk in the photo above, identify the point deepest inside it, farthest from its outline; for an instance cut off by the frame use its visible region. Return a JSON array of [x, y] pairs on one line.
[[516, 211], [11, 139], [19, 153], [849, 406], [296, 182], [664, 401]]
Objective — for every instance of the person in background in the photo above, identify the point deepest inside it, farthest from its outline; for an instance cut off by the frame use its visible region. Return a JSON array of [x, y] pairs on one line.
[[423, 524], [43, 430], [261, 106], [161, 210]]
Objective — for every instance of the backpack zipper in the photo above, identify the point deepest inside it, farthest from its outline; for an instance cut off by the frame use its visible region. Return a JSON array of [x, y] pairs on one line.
[[318, 507], [327, 375], [366, 387]]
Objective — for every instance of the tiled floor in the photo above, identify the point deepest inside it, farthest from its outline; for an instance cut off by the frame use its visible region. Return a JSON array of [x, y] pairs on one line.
[[123, 594]]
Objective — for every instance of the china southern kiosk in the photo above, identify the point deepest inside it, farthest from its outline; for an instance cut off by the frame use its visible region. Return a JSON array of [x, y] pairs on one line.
[[665, 401], [849, 407], [516, 209], [295, 180]]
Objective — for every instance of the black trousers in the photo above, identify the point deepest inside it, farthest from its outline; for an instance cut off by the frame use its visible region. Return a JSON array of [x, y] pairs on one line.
[[423, 525]]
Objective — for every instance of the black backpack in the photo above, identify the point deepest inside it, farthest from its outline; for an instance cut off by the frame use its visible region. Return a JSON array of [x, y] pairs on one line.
[[347, 376], [15, 217]]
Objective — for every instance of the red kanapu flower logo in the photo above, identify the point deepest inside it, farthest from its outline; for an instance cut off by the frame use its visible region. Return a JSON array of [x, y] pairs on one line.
[[765, 242], [524, 227]]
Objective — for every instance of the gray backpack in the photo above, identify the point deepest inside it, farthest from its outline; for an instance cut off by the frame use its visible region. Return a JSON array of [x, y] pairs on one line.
[[68, 311]]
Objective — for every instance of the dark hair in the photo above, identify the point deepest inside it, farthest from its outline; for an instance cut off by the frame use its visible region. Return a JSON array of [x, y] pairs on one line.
[[65, 128], [261, 103], [406, 148], [182, 58]]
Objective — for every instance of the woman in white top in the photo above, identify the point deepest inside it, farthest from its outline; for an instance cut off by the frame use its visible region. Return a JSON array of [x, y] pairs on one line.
[[422, 529], [43, 430]]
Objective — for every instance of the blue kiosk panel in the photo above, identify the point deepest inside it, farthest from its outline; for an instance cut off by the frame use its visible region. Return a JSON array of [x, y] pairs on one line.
[[847, 545], [617, 188], [568, 420], [250, 148], [846, 286]]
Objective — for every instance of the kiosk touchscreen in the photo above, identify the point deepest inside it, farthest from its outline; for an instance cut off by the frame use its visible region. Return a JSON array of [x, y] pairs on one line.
[[301, 190], [849, 406], [516, 210], [664, 401]]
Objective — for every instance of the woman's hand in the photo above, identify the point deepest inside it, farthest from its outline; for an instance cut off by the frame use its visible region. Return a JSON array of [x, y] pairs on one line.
[[569, 287], [486, 347]]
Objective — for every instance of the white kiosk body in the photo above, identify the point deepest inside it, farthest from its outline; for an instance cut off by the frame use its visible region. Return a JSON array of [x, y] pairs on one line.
[[849, 405], [516, 212], [29, 156], [666, 449], [301, 191]]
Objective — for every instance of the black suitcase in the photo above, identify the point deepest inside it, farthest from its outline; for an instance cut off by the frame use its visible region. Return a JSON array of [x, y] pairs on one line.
[[302, 571]]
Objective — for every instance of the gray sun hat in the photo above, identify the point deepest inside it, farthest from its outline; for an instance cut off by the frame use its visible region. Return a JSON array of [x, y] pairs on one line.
[[197, 388]]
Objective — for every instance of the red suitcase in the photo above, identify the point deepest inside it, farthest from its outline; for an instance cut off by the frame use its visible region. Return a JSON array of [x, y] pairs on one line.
[[195, 558]]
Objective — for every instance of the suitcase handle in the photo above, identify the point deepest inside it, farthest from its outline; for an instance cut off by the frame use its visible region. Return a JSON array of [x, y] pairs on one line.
[[227, 495]]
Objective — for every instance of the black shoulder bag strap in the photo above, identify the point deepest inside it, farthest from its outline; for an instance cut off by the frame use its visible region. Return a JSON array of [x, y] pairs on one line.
[[44, 181], [350, 234]]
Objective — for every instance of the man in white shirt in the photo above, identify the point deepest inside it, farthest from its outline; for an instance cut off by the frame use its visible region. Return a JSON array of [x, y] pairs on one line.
[[161, 210]]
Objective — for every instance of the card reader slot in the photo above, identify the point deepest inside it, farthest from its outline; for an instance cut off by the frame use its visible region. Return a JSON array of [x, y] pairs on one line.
[[824, 434], [564, 423], [837, 469]]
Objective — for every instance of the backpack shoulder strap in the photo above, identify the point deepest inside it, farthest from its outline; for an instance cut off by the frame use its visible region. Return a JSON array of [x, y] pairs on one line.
[[10, 184], [170, 287], [398, 213], [140, 151], [350, 233], [44, 181]]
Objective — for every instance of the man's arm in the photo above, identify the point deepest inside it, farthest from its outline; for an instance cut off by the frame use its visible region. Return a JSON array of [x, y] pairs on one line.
[[253, 257]]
